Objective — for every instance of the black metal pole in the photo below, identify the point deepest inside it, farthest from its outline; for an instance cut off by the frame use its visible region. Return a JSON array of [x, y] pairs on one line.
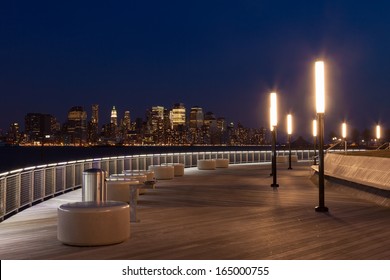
[[274, 184], [321, 182], [289, 152]]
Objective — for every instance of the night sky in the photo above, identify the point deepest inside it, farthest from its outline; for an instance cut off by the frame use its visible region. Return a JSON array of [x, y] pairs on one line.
[[225, 56]]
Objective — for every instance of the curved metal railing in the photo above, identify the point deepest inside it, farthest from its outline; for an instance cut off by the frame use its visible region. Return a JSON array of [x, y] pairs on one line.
[[22, 188]]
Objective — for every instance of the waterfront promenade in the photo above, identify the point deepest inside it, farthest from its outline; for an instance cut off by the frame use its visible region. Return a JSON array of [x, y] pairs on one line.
[[228, 213]]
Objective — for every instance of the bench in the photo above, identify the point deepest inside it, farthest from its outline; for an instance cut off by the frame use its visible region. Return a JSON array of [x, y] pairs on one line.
[[206, 164], [178, 168], [163, 172], [125, 190], [221, 163], [91, 223]]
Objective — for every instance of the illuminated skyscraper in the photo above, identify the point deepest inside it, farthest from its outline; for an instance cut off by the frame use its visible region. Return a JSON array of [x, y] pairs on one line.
[[156, 118], [196, 117], [178, 115], [76, 126], [114, 116], [95, 114], [38, 125], [127, 120], [93, 125]]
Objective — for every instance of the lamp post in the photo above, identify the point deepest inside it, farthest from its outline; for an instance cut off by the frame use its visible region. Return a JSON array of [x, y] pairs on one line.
[[320, 108], [289, 132], [344, 135], [273, 124], [315, 140]]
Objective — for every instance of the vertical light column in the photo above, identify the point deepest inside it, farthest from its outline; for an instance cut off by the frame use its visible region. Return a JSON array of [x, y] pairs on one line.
[[320, 107], [378, 132], [289, 132], [344, 135], [315, 140]]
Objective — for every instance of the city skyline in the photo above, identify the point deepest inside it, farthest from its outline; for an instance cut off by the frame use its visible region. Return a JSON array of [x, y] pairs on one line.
[[226, 56]]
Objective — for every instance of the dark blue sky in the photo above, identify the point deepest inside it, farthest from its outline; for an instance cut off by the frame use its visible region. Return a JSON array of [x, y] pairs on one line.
[[225, 56]]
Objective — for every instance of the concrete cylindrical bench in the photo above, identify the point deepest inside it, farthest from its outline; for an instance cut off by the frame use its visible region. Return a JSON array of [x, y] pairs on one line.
[[91, 223], [222, 163], [206, 164], [142, 178], [163, 172], [178, 168], [119, 190]]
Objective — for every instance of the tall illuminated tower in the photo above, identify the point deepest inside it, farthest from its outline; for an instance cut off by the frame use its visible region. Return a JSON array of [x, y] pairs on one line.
[[95, 114], [114, 116], [127, 120], [196, 117]]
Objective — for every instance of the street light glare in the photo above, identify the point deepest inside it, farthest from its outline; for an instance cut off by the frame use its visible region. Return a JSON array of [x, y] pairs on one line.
[[289, 124], [344, 130], [320, 86], [314, 128], [274, 118], [378, 132]]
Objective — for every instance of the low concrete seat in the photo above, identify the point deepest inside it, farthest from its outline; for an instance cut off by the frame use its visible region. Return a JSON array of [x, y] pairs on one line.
[[163, 172], [91, 223], [222, 163], [206, 164], [119, 190], [142, 178], [178, 168]]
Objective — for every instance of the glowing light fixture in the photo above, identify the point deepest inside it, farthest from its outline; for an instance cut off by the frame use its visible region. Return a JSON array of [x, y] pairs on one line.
[[378, 132], [320, 86], [273, 109], [289, 124], [344, 130]]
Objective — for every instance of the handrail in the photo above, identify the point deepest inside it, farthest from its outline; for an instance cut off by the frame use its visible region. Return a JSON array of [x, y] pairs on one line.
[[383, 146], [334, 145], [22, 188]]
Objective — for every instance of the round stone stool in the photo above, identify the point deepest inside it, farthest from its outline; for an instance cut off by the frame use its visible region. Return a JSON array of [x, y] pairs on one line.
[[222, 163], [163, 172], [178, 168], [119, 190], [91, 223], [206, 164]]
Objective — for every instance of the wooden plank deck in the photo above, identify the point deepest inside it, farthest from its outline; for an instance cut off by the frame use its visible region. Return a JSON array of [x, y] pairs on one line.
[[221, 214]]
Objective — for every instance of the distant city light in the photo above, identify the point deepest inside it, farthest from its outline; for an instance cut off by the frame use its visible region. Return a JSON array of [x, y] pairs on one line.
[[314, 128], [320, 86], [289, 124], [344, 130]]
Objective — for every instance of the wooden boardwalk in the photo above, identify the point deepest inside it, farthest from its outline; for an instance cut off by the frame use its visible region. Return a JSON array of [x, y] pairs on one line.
[[221, 214]]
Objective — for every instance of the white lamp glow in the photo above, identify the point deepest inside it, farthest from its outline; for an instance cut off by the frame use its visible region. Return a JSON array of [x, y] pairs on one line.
[[289, 124], [320, 86], [378, 132], [344, 130], [273, 109], [314, 128]]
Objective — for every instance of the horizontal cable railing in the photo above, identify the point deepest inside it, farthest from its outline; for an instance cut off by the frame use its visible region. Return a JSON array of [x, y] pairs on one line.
[[22, 188]]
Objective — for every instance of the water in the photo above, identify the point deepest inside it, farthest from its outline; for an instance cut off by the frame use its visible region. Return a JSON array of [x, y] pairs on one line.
[[12, 158]]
